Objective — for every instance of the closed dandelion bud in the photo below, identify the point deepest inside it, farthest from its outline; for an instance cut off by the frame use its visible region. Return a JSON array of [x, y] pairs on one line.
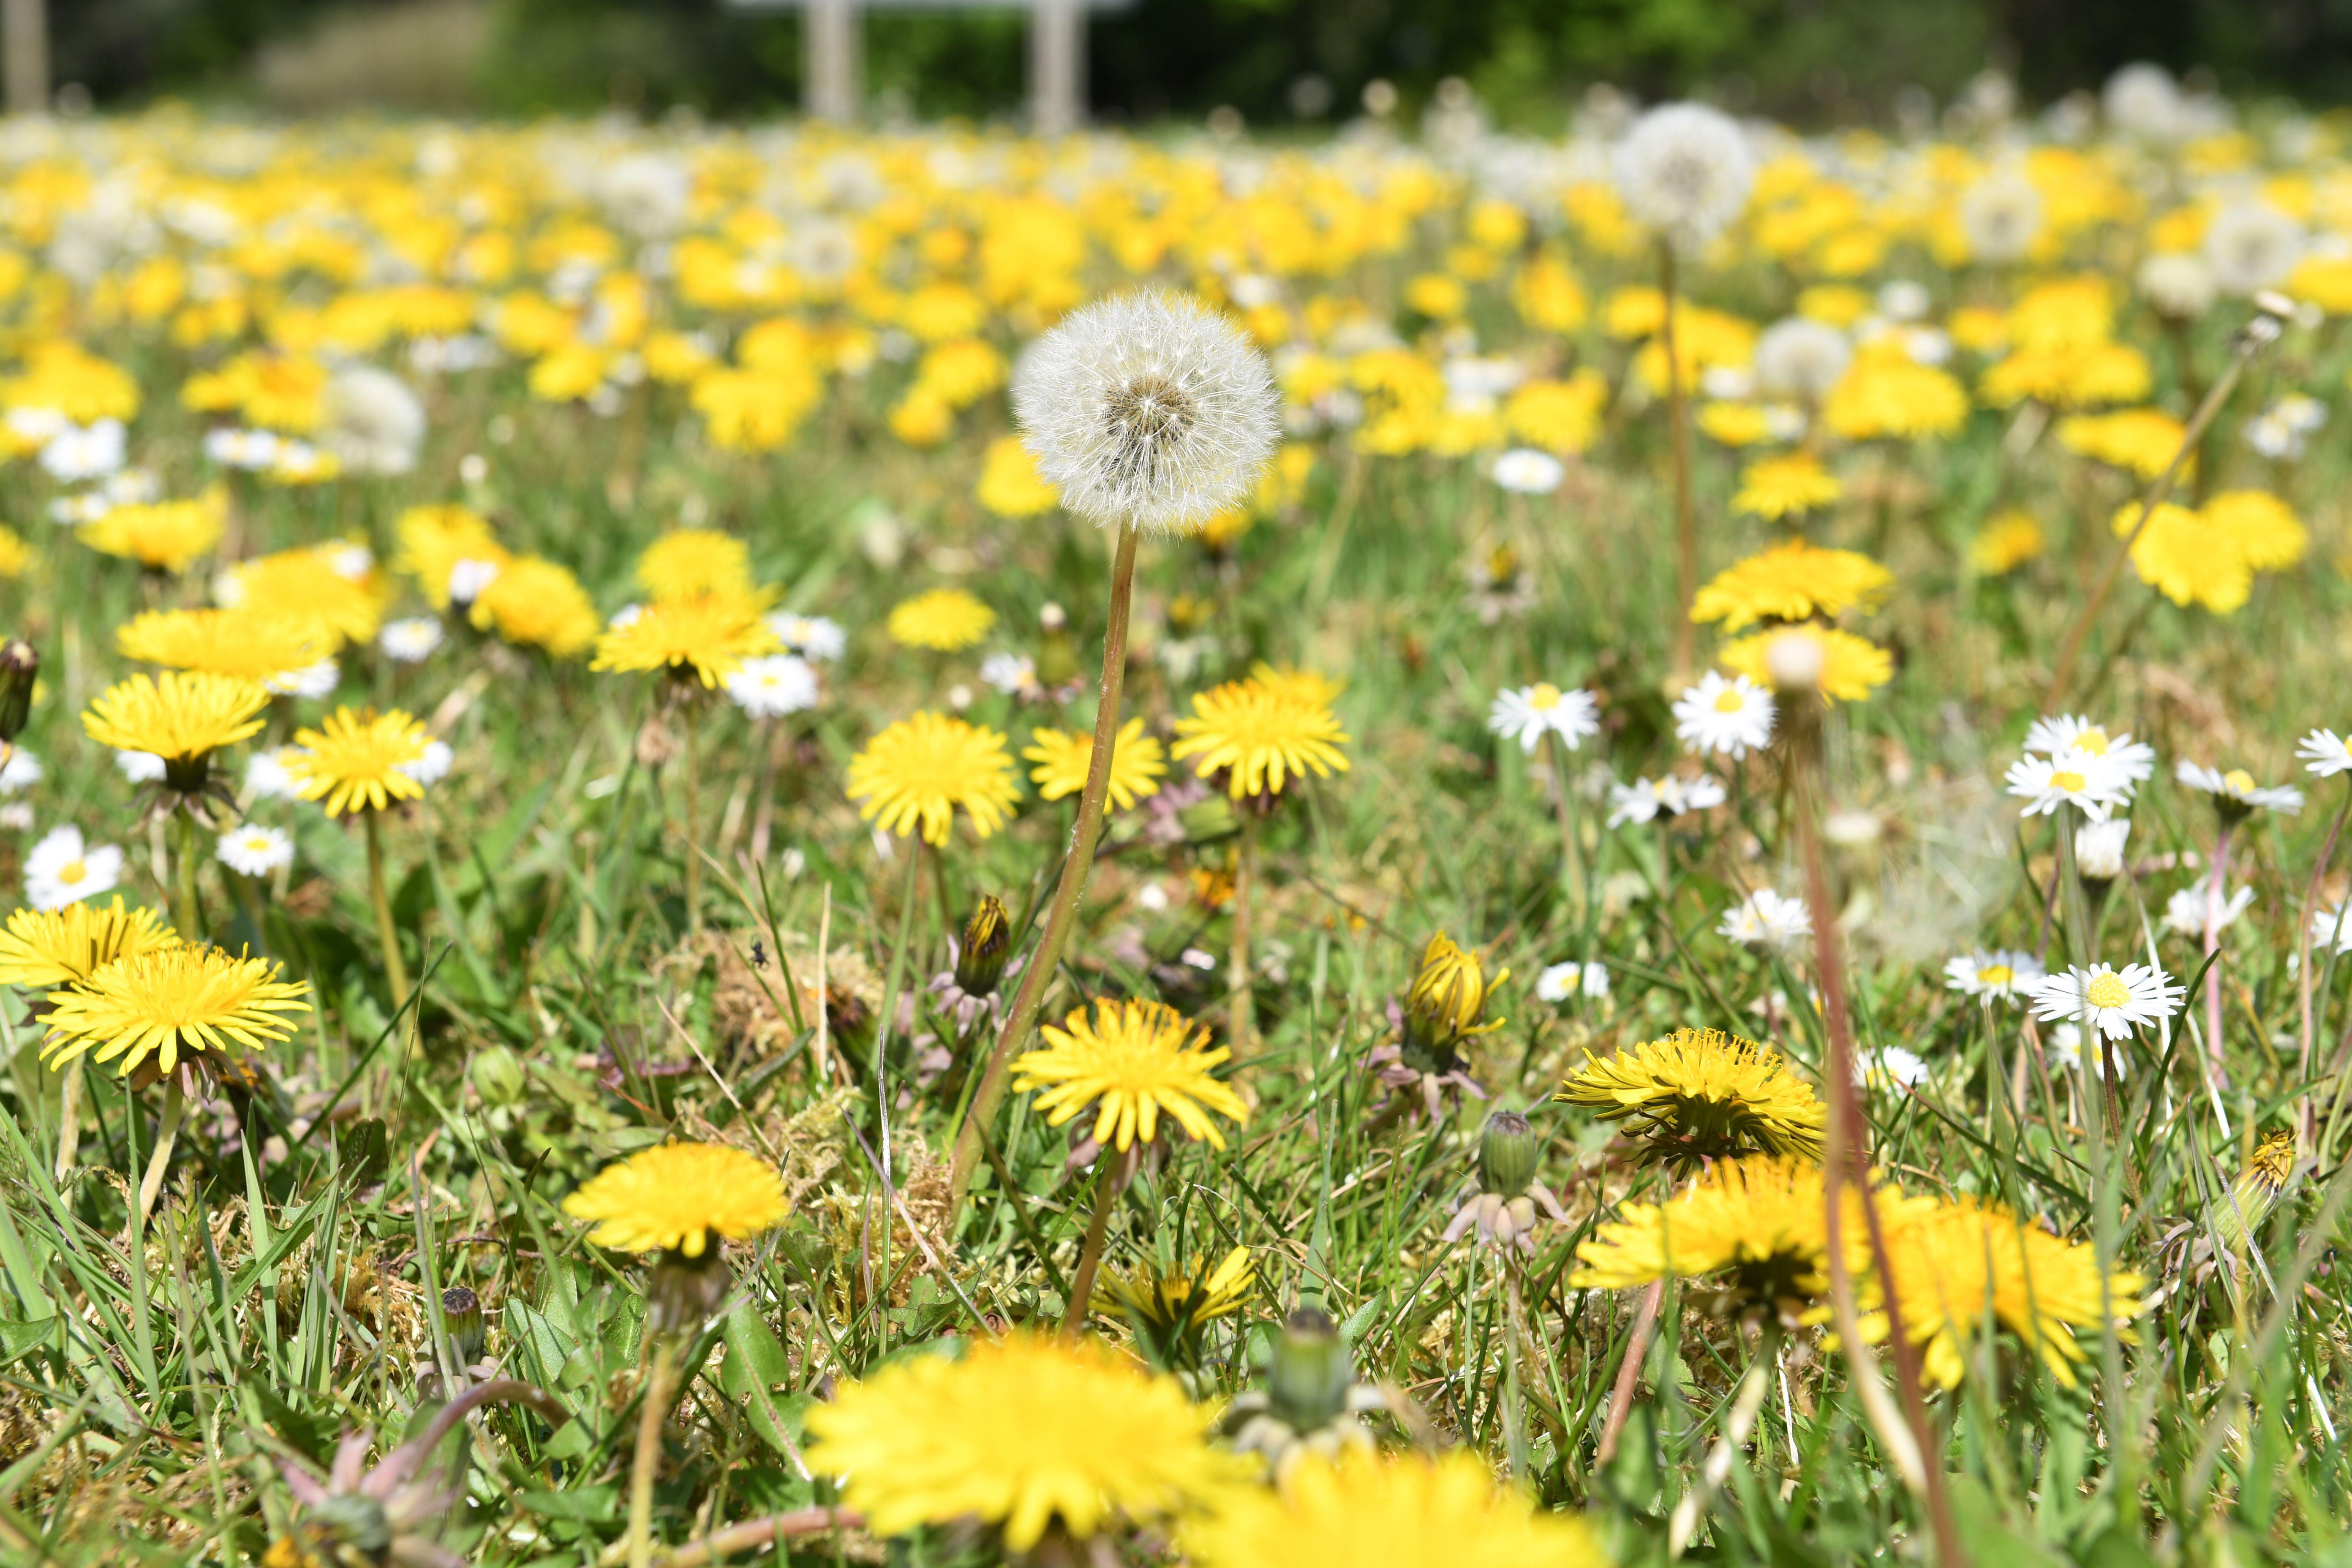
[[986, 946], [1308, 1380], [461, 1317], [682, 1292], [19, 667], [1508, 1154]]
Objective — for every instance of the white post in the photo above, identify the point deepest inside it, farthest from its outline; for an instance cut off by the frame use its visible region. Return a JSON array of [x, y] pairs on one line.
[[1057, 66], [832, 68], [24, 42]]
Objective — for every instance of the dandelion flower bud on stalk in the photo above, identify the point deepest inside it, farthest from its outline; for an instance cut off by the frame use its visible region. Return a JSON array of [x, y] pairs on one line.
[[986, 945], [1307, 1379], [1507, 1154], [461, 1317]]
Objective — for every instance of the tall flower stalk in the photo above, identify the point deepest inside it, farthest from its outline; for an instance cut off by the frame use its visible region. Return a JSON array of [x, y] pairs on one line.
[[1149, 412]]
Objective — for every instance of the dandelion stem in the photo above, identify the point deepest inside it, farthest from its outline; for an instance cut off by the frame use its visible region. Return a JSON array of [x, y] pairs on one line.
[[2213, 887], [690, 786], [1107, 1186], [1039, 972], [387, 934], [1629, 1371], [641, 1469], [69, 1117], [167, 1133], [1565, 802], [1846, 1156], [1686, 517], [1240, 1027], [188, 911], [2303, 951]]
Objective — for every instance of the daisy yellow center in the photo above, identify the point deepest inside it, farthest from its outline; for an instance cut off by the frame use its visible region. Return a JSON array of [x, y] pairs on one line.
[[1728, 700], [2093, 740], [2071, 782], [1996, 974], [2239, 781], [1543, 696], [2106, 991], [73, 873]]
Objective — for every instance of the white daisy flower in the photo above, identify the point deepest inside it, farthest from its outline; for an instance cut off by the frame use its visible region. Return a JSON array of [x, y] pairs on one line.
[[410, 641], [2085, 780], [80, 452], [812, 637], [1525, 471], [22, 770], [469, 577], [771, 686], [254, 850], [2331, 926], [1641, 801], [2324, 754], [1559, 981], [17, 816], [248, 449], [62, 868], [2185, 912], [1704, 793], [313, 680], [2099, 848], [1727, 716], [1889, 1066], [2066, 1046], [2135, 760], [2001, 974], [140, 767], [2113, 1001], [1530, 712], [1765, 918], [432, 767], [2235, 793], [265, 774], [1010, 673]]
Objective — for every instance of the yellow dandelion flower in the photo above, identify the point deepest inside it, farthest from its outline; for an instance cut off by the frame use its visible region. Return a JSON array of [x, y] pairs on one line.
[[259, 645], [162, 536], [1754, 1230], [1701, 1094], [1169, 1307], [169, 1000], [1260, 734], [537, 603], [335, 587], [16, 553], [1133, 1063], [1851, 667], [1137, 764], [1361, 1510], [708, 637], [2140, 441], [433, 539], [1882, 397], [2263, 529], [673, 1197], [360, 760], [1790, 582], [1021, 1432], [1952, 1259], [2181, 555], [43, 948], [945, 619], [1775, 488], [1010, 485], [2005, 542], [916, 772], [180, 717], [688, 562], [1299, 685]]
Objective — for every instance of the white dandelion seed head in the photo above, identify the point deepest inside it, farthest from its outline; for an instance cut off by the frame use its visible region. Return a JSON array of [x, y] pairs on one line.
[[2001, 216], [1685, 170], [2252, 246], [375, 424], [2178, 284], [2142, 100], [1802, 358], [1148, 410]]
